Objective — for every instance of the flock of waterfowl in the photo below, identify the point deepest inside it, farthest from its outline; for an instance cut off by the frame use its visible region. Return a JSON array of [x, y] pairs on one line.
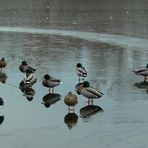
[[83, 88]]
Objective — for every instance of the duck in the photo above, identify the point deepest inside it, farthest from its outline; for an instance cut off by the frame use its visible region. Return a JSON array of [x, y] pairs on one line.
[[24, 66], [1, 101], [143, 71], [81, 71], [3, 63], [30, 77], [50, 82], [89, 92], [70, 100]]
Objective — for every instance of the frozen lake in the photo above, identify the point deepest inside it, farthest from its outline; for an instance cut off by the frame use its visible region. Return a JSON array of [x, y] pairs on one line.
[[109, 38]]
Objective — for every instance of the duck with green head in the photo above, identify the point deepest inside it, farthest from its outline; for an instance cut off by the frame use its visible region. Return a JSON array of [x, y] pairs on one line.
[[24, 66], [143, 71], [81, 71], [50, 82], [89, 92]]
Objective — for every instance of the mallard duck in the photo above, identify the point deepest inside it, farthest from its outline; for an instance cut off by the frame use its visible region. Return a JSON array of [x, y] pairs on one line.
[[1, 119], [30, 77], [81, 71], [50, 82], [143, 71], [24, 66], [2, 63], [70, 100], [1, 101], [89, 92]]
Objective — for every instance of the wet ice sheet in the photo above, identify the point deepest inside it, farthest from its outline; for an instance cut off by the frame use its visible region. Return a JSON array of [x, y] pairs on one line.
[[29, 124]]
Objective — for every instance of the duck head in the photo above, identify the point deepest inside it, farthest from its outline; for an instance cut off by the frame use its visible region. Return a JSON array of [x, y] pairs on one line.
[[86, 84], [2, 59], [47, 76], [79, 65], [70, 93], [24, 63], [146, 65]]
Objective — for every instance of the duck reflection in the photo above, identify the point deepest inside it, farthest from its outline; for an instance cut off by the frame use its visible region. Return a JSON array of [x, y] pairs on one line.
[[89, 110], [1, 119], [142, 85], [50, 98], [3, 77], [27, 90], [24, 85], [71, 119], [28, 93]]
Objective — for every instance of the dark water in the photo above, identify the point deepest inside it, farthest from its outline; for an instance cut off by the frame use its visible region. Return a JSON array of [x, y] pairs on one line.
[[53, 36]]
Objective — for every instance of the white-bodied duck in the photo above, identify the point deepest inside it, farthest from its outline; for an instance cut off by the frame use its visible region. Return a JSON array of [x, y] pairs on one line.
[[143, 71], [30, 77], [89, 92], [81, 71], [50, 82]]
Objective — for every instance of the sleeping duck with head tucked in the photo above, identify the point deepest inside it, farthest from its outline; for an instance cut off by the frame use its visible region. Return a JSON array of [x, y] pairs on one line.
[[50, 82], [81, 71], [24, 66], [89, 92]]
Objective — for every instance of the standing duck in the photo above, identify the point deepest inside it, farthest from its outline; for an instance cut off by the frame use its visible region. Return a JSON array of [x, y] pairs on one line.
[[2, 63], [143, 72], [89, 92], [81, 71], [24, 66], [70, 100], [50, 82], [30, 77], [1, 101]]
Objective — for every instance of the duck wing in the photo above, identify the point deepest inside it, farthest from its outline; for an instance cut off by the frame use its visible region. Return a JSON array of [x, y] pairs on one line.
[[82, 70], [55, 80], [94, 91], [143, 73], [33, 69], [139, 70]]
